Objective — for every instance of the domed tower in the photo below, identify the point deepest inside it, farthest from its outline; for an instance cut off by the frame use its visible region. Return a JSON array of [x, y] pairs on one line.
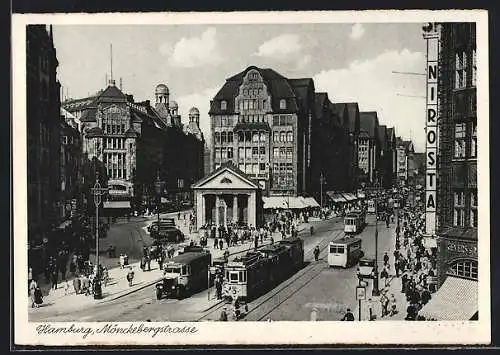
[[194, 123], [194, 116], [162, 93], [174, 108]]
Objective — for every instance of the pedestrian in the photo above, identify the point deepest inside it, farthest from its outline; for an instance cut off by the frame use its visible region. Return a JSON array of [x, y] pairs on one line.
[[122, 261], [316, 253], [38, 296], [393, 305], [386, 259], [370, 310], [218, 287], [54, 278], [384, 301], [384, 275], [348, 316], [256, 243], [215, 243], [130, 276], [221, 243], [33, 286], [223, 315]]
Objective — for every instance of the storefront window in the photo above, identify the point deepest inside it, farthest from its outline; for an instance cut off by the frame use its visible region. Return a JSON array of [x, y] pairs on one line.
[[465, 268]]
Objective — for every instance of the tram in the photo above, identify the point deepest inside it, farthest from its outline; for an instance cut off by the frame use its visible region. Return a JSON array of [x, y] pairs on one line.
[[344, 252], [185, 273], [257, 271], [354, 222]]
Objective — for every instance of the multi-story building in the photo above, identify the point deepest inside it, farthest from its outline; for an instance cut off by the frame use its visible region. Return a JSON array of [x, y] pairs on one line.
[[348, 114], [457, 207], [405, 151], [392, 161], [43, 136], [262, 122], [457, 199], [330, 149], [368, 147], [139, 143], [385, 158]]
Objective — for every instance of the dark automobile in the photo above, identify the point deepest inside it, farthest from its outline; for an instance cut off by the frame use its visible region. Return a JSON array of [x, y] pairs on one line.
[[166, 231]]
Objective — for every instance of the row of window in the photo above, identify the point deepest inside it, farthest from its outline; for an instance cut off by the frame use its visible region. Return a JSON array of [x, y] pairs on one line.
[[460, 208], [114, 143], [223, 137], [252, 92], [252, 104], [254, 168], [462, 60], [283, 136], [283, 168], [116, 165], [283, 152], [223, 153], [113, 128], [222, 121], [248, 152], [252, 118], [466, 268], [283, 181], [461, 140], [283, 120]]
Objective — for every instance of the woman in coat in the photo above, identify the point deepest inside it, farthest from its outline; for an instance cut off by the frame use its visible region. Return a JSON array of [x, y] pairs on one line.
[[38, 296]]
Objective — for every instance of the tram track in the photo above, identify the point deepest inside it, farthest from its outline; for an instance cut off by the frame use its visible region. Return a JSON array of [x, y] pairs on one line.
[[279, 294]]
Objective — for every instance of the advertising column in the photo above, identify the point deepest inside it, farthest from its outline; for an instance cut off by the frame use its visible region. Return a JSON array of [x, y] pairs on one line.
[[431, 35]]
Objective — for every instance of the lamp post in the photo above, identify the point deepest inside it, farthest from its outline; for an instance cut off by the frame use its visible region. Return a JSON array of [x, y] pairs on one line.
[[98, 192], [376, 291], [321, 181], [159, 189]]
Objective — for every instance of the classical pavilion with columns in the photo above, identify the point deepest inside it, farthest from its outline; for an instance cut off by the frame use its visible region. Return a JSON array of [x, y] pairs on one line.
[[228, 195]]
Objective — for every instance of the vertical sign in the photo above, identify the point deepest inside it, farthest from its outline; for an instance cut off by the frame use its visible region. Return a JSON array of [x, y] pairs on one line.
[[431, 35]]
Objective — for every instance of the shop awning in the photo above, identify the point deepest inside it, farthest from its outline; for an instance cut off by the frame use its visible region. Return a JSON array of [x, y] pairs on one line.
[[456, 299], [64, 224], [116, 204], [349, 197], [337, 198], [283, 202], [310, 202]]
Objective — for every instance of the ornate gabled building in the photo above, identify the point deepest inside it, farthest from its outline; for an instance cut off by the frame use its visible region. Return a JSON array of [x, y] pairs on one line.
[[137, 143], [262, 122]]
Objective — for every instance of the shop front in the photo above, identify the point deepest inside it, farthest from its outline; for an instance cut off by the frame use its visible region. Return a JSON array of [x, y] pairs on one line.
[[457, 295]]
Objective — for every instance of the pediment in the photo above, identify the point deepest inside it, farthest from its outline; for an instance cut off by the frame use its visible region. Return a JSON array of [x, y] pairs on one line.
[[225, 179]]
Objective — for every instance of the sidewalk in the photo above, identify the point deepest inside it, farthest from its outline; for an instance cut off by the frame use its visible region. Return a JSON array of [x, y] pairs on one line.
[[61, 302]]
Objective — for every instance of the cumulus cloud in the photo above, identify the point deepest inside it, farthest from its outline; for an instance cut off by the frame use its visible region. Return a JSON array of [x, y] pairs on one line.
[[200, 100], [374, 87], [194, 51], [357, 31], [280, 47]]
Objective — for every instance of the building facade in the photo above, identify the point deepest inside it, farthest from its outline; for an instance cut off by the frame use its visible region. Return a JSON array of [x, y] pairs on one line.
[[393, 160], [405, 151], [139, 143], [262, 122], [457, 206], [45, 210], [369, 147]]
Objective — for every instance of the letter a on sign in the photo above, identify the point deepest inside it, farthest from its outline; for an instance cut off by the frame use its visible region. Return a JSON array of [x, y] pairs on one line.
[[430, 202]]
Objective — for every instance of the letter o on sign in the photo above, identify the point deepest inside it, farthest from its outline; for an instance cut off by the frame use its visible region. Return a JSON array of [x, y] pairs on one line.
[[431, 137]]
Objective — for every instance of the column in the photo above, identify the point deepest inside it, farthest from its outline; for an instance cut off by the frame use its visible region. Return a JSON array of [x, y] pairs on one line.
[[235, 208], [199, 209], [251, 210], [217, 199]]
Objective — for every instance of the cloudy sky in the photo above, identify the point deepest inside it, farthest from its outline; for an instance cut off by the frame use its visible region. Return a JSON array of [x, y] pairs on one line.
[[351, 62]]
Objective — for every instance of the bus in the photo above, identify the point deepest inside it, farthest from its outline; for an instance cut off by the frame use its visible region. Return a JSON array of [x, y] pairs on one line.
[[345, 252], [370, 206], [354, 222]]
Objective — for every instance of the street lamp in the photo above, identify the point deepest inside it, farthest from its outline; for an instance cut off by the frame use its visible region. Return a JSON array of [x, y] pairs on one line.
[[321, 181], [159, 189], [376, 291], [98, 192]]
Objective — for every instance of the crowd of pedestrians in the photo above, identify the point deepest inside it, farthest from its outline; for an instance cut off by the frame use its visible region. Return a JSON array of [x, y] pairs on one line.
[[413, 262]]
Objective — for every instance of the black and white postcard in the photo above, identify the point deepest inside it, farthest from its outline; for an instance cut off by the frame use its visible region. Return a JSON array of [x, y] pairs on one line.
[[251, 178]]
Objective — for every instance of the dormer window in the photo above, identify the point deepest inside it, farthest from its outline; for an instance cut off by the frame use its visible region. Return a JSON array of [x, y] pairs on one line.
[[282, 104], [223, 105]]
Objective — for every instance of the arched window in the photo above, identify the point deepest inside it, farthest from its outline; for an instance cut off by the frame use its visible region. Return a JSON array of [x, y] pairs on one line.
[[223, 105], [223, 137], [282, 137], [230, 137], [282, 104], [217, 137]]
